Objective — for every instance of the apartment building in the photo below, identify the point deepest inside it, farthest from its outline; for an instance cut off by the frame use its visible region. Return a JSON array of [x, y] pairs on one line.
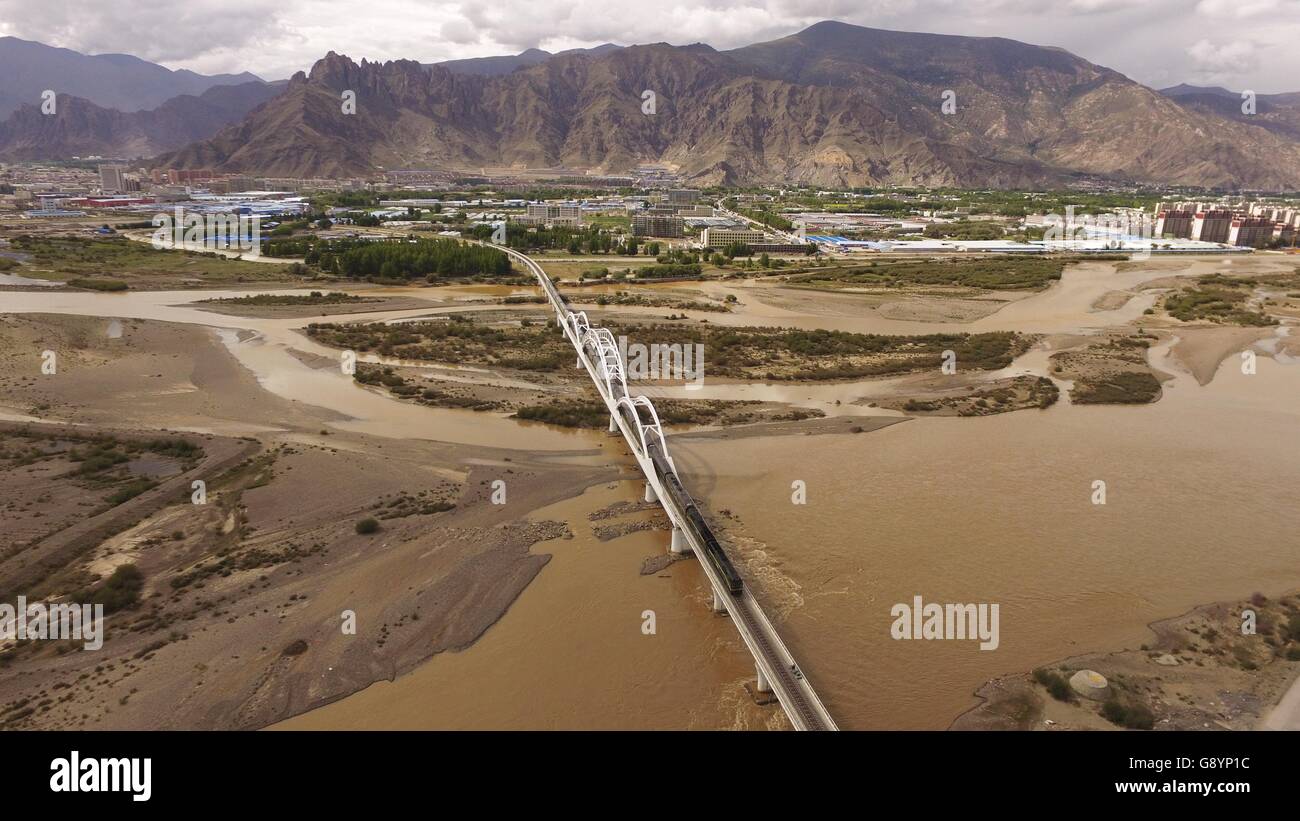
[[112, 179], [1212, 226], [1175, 224], [548, 213], [658, 225], [1250, 232], [695, 211], [1243, 224], [722, 237]]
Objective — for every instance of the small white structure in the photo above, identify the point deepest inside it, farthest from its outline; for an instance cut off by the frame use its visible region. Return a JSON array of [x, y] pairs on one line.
[[1090, 684]]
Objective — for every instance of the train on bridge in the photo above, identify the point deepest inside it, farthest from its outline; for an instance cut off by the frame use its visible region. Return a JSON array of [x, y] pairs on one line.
[[713, 552]]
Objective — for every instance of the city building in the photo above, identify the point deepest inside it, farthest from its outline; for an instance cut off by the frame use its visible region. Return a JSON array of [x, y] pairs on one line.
[[1250, 232], [657, 225], [109, 202], [722, 237], [1212, 226], [112, 179], [682, 196], [1174, 224], [781, 247], [695, 211], [548, 213]]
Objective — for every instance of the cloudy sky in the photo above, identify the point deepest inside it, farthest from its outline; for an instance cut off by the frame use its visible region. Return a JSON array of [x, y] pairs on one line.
[[1235, 43]]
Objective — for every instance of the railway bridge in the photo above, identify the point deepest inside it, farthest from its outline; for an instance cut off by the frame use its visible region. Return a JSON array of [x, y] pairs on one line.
[[635, 417]]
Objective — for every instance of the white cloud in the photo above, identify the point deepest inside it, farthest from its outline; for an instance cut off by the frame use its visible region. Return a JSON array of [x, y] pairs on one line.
[[1216, 61], [460, 32], [1159, 42], [1241, 9]]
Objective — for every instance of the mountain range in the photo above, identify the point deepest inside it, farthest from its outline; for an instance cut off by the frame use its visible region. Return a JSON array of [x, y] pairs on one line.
[[832, 105], [117, 81], [1279, 113], [80, 128], [506, 63]]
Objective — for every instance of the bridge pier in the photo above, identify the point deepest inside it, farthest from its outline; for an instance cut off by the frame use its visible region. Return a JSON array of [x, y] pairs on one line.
[[608, 370], [679, 543], [719, 603]]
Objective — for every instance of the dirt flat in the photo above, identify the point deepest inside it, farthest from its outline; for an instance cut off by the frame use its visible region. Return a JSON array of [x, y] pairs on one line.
[[124, 373], [240, 613], [1203, 670], [231, 308], [1202, 350]]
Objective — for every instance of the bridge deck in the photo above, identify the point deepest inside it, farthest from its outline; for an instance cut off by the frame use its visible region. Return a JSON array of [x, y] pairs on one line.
[[795, 694]]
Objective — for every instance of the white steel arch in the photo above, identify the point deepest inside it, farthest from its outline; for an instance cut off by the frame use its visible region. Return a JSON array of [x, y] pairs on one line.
[[773, 660], [633, 404], [609, 358], [578, 323]]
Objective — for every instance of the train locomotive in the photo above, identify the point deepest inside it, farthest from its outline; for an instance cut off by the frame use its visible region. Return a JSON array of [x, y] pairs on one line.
[[713, 552]]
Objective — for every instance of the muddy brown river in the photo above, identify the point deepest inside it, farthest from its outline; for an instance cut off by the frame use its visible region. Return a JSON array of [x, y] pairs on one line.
[[1201, 506]]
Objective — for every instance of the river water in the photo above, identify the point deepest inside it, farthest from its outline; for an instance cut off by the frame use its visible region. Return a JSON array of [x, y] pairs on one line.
[[1200, 507], [265, 347]]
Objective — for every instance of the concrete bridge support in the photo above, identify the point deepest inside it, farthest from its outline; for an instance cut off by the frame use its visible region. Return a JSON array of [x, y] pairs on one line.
[[650, 495], [613, 424], [679, 543], [719, 602], [763, 686]]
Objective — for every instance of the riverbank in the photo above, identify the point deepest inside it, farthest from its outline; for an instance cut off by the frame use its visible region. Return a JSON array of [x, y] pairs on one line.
[[981, 509], [1223, 666], [240, 615]]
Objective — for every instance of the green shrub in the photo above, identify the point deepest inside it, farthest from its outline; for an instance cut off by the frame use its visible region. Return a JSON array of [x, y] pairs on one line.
[[569, 414], [368, 525], [1056, 684], [99, 284], [130, 491], [120, 591], [1131, 716]]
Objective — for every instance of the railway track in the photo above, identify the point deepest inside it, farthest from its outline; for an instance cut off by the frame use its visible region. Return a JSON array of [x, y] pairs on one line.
[[597, 353]]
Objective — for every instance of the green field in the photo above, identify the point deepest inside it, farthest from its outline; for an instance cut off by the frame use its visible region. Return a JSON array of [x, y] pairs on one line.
[[989, 273], [137, 264]]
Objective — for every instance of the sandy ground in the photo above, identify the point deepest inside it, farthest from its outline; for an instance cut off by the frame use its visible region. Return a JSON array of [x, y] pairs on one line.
[[240, 622], [1202, 349], [1286, 715], [894, 304], [1199, 672], [136, 373], [258, 639], [326, 309]]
